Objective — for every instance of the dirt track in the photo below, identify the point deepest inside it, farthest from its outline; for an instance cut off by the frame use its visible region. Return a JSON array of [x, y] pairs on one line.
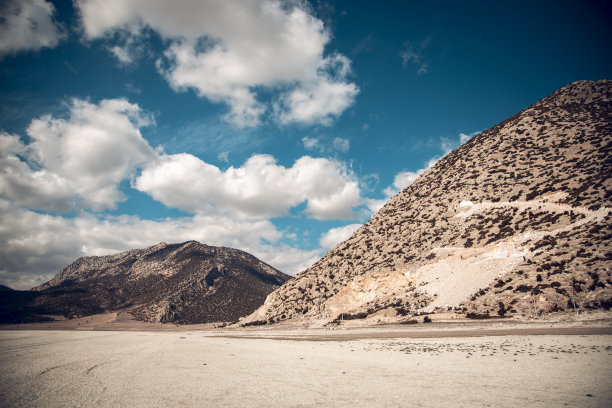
[[207, 368]]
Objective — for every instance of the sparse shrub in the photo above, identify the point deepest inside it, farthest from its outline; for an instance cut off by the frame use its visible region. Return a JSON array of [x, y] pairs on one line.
[[502, 309], [255, 323], [523, 288], [473, 315], [426, 319], [349, 316], [402, 311], [411, 321]]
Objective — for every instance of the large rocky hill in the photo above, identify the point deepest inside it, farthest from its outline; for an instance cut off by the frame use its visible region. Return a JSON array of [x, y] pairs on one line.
[[180, 283], [517, 221]]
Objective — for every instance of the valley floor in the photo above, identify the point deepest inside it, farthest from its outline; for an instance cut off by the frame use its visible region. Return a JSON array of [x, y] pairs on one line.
[[416, 367]]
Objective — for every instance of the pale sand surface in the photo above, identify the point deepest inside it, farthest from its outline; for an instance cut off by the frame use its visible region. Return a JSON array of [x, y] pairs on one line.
[[207, 368]]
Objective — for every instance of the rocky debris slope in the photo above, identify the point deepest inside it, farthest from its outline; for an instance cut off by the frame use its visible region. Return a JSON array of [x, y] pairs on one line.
[[515, 221], [180, 283]]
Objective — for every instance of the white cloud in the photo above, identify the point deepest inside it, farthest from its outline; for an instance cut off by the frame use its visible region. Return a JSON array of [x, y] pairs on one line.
[[400, 182], [310, 143], [223, 156], [259, 189], [342, 145], [322, 99], [75, 162], [323, 145], [78, 162], [465, 137], [122, 54], [128, 49], [37, 246], [33, 188], [374, 205], [227, 50], [403, 180], [337, 235], [414, 55], [28, 25], [450, 144]]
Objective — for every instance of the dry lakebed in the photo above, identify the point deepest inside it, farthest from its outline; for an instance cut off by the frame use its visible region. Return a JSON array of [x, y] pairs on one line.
[[496, 365]]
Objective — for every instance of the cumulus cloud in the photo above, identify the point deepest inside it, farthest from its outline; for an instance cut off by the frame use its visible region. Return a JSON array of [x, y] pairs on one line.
[[75, 162], [31, 256], [78, 162], [322, 99], [227, 50], [337, 235], [28, 25], [259, 189]]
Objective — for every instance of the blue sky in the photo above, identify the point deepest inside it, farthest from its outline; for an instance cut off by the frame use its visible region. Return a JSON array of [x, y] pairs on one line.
[[274, 127]]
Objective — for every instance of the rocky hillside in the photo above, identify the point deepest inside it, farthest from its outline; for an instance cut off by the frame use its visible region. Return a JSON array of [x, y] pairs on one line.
[[517, 221], [180, 283]]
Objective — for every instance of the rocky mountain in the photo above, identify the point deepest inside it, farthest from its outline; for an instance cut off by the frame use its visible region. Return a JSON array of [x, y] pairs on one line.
[[517, 221], [180, 283]]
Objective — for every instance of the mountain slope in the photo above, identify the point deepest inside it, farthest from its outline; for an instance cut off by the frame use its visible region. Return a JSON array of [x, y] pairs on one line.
[[181, 283], [515, 221]]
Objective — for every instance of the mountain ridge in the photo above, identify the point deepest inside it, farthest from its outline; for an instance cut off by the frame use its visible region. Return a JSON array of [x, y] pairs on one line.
[[556, 152], [186, 282]]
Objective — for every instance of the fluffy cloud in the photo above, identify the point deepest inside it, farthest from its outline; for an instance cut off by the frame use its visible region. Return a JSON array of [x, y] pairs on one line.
[[311, 143], [78, 162], [323, 98], [28, 25], [337, 235], [30, 256], [226, 49], [259, 189]]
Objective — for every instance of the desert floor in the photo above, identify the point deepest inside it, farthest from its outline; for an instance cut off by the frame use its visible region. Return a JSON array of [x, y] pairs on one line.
[[472, 366]]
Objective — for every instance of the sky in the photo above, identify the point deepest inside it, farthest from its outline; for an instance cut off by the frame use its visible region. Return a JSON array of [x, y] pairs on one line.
[[276, 127]]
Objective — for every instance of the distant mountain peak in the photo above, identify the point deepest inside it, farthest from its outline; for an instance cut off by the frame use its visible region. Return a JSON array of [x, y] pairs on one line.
[[187, 282]]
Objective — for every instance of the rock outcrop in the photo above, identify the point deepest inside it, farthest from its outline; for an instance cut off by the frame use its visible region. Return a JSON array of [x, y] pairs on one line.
[[515, 221], [179, 283]]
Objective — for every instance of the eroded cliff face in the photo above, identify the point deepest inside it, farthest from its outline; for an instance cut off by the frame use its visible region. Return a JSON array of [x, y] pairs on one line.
[[179, 283], [515, 221]]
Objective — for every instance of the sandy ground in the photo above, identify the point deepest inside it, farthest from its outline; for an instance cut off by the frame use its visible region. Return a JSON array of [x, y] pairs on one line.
[[295, 368]]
